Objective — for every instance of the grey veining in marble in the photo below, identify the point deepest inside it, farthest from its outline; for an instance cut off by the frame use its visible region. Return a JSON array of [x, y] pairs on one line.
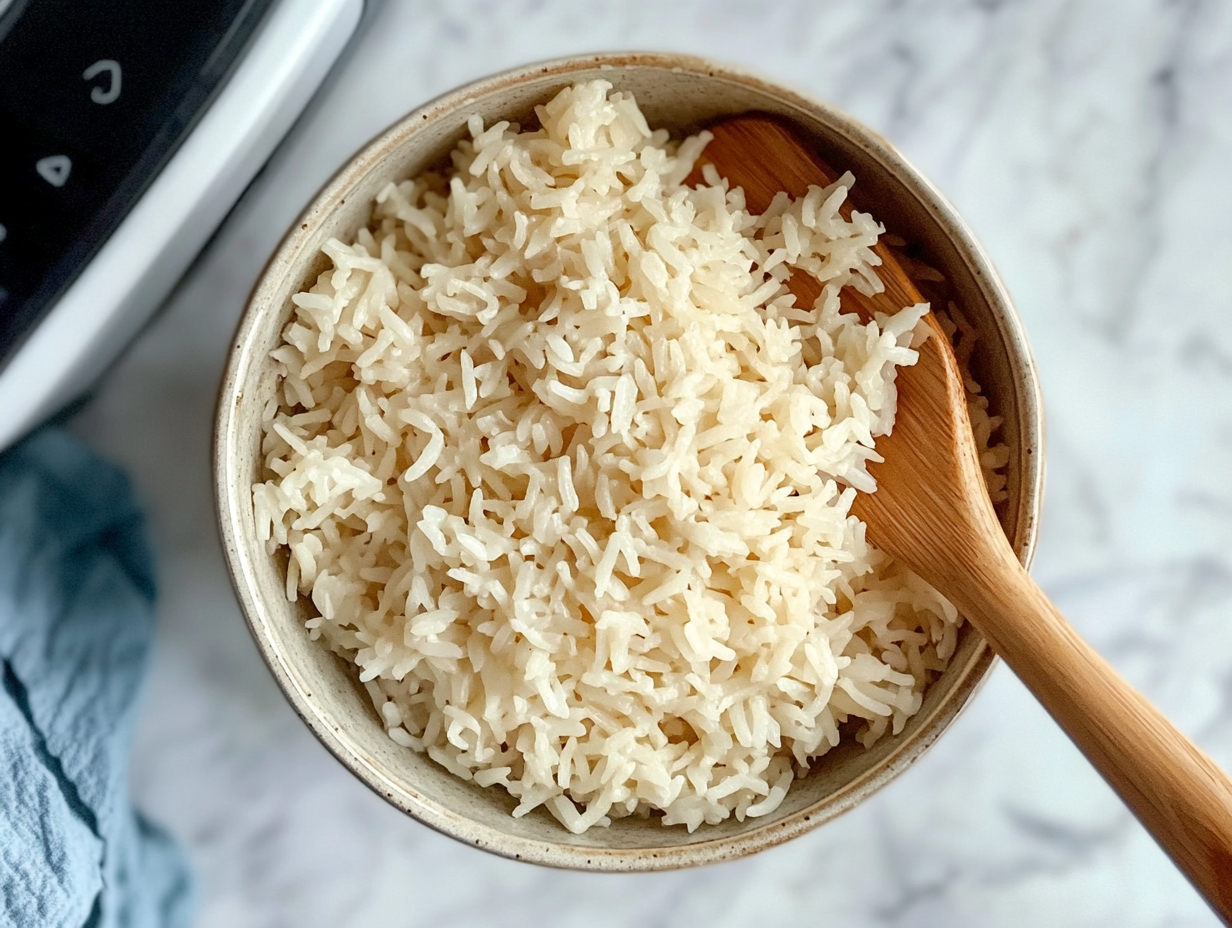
[[1088, 143]]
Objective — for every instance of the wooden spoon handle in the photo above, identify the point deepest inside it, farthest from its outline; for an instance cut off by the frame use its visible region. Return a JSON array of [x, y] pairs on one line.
[[1178, 793]]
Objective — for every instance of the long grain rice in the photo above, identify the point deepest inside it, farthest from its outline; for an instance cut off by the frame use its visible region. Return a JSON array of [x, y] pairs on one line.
[[566, 473]]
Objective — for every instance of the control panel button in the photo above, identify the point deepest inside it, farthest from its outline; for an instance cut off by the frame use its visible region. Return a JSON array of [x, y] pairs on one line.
[[54, 169], [107, 76], [109, 90]]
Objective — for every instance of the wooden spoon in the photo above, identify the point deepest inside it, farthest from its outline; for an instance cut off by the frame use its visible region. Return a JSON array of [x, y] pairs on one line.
[[932, 512]]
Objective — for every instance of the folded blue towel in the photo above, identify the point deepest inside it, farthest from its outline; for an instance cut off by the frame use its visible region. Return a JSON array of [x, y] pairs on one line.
[[76, 621]]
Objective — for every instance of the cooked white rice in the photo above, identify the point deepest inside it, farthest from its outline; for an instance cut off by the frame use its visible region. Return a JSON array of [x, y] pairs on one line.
[[567, 475]]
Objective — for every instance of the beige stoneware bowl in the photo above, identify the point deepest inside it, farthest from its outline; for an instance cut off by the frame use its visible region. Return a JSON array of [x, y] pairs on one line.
[[683, 94]]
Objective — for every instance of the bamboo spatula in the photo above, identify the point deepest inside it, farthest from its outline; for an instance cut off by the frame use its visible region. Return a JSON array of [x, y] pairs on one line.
[[932, 512]]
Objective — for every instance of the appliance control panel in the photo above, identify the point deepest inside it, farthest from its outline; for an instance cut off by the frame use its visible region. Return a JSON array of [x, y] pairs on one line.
[[94, 98]]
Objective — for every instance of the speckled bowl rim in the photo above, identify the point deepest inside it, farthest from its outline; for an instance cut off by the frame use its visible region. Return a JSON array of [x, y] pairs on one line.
[[232, 492]]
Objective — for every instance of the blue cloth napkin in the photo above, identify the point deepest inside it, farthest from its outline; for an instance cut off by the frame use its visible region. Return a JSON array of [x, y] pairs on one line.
[[76, 622]]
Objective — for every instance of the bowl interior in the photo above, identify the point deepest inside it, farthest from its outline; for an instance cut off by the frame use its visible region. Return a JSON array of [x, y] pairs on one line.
[[683, 95]]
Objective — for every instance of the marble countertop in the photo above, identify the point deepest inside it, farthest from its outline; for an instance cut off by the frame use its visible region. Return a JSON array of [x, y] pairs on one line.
[[1088, 144]]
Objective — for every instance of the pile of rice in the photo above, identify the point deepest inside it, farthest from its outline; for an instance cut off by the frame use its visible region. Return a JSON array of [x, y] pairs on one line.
[[567, 475]]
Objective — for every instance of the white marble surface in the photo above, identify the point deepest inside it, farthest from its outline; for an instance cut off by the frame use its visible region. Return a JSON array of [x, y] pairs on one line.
[[1089, 144]]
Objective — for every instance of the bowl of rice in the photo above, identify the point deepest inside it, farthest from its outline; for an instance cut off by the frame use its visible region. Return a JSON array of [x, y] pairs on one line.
[[534, 480]]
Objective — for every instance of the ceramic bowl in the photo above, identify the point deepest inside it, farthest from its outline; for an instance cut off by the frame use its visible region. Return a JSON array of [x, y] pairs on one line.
[[683, 94]]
